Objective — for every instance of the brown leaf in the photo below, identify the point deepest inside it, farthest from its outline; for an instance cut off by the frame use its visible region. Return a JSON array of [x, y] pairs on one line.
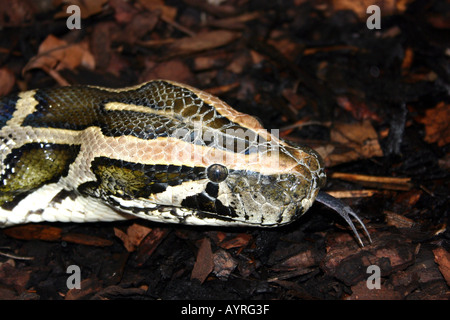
[[355, 141], [408, 199], [86, 239], [241, 240], [236, 22], [88, 287], [50, 52], [302, 260], [201, 42], [216, 236], [398, 220], [204, 263], [133, 237], [57, 54], [437, 128], [34, 232], [149, 244], [442, 258]]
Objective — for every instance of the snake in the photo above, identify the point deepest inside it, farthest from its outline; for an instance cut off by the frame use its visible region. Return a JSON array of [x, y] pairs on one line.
[[161, 151]]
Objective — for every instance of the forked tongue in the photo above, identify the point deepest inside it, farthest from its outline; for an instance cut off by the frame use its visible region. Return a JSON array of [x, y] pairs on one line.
[[344, 211]]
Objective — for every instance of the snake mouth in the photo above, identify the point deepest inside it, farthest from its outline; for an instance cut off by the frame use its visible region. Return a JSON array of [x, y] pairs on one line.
[[248, 198]]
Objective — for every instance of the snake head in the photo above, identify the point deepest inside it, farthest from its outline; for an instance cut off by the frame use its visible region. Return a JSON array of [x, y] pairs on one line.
[[272, 188], [248, 197], [273, 191]]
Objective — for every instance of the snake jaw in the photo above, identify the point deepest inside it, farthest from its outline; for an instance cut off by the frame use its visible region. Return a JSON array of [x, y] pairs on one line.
[[345, 212]]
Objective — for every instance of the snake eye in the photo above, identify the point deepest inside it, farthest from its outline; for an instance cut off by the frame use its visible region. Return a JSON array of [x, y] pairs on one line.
[[217, 173]]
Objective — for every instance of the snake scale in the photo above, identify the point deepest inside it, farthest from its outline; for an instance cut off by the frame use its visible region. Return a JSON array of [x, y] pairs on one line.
[[162, 151]]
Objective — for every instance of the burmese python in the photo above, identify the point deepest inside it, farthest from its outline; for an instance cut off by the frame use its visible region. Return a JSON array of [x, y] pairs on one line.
[[161, 151]]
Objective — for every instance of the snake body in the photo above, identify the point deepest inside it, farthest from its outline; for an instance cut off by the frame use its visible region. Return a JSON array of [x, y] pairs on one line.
[[162, 151]]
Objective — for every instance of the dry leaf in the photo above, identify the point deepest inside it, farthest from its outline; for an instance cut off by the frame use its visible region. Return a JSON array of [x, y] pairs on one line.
[[86, 239], [133, 237], [149, 244], [241, 240], [235, 22], [437, 128], [34, 232], [50, 52], [442, 258], [301, 260], [355, 141], [55, 54], [201, 42], [88, 287], [204, 263], [398, 220]]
